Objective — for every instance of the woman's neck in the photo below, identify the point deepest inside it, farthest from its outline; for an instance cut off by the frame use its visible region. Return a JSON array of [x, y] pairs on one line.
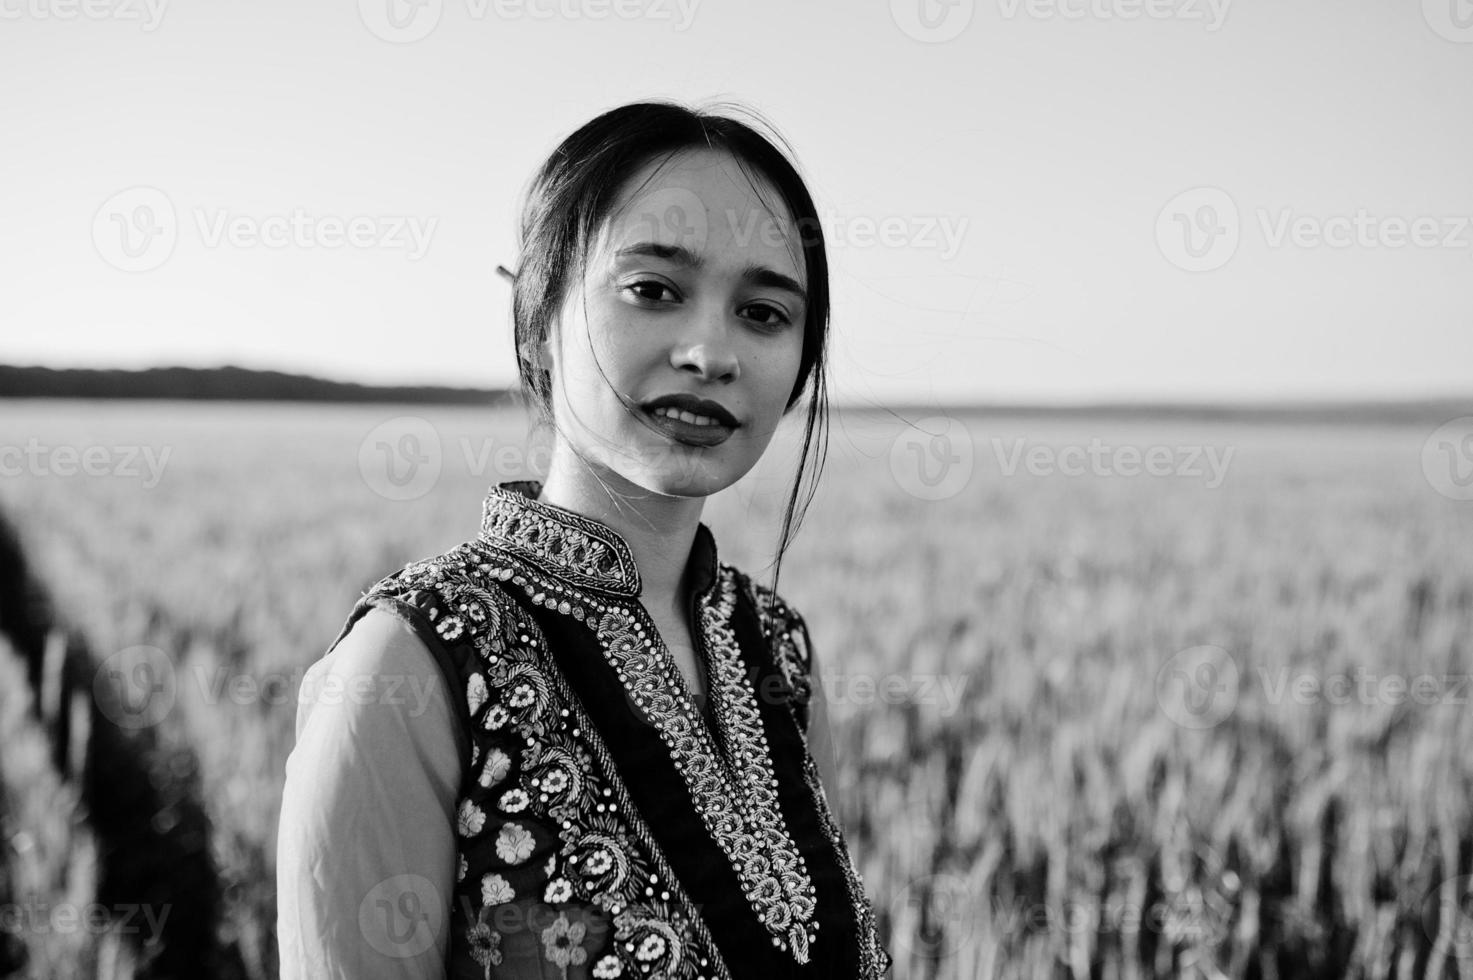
[[659, 529]]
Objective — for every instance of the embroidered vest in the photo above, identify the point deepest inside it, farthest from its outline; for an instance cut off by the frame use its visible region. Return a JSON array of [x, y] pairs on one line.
[[625, 832]]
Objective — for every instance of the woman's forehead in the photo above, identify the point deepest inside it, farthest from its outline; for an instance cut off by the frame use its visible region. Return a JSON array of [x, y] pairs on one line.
[[705, 202]]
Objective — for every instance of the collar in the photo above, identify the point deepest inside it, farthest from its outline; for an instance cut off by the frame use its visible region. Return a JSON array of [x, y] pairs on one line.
[[576, 549]]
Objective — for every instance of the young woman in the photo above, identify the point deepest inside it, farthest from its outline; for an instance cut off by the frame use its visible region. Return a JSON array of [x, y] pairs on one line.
[[619, 769]]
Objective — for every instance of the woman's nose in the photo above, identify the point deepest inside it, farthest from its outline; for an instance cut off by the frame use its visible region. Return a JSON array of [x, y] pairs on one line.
[[706, 346]]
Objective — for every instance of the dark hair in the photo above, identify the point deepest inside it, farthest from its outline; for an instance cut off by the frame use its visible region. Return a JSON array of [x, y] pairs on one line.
[[573, 193]]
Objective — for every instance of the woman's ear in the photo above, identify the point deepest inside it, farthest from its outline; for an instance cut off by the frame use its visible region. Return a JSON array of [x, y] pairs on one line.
[[541, 353]]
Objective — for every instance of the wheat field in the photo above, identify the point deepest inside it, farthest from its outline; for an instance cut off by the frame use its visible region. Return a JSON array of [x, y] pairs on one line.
[[1089, 724]]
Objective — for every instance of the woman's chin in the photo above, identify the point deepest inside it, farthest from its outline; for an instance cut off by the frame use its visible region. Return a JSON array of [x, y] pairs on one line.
[[691, 477]]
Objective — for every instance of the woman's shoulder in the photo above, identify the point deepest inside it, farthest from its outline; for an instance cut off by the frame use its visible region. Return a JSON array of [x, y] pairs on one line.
[[459, 594]]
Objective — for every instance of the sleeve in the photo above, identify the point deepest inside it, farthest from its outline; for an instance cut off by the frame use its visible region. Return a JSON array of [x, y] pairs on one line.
[[365, 848], [819, 734]]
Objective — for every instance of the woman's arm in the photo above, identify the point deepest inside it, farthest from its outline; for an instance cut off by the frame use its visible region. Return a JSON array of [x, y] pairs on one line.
[[366, 849], [820, 736]]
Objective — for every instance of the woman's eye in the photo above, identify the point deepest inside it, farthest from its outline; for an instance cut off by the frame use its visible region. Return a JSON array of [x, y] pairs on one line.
[[650, 289], [774, 317]]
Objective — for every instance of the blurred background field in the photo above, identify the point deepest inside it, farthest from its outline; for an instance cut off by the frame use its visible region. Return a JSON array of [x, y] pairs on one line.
[[1045, 794]]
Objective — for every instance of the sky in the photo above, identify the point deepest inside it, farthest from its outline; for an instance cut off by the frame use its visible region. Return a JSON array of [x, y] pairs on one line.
[[1043, 201]]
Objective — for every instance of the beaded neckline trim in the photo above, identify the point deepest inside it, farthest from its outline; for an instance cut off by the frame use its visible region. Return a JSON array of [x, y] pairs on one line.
[[583, 551]]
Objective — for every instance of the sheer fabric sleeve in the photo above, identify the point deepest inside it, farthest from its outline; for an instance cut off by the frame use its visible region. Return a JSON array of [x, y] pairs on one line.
[[819, 733], [366, 848]]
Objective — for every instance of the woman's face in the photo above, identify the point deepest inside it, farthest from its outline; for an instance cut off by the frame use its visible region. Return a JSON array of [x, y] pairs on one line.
[[694, 287]]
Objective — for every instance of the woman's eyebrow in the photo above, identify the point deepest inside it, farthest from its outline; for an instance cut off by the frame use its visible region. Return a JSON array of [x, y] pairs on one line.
[[678, 254], [759, 275]]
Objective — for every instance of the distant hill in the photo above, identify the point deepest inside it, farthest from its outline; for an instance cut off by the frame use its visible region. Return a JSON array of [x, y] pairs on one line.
[[223, 383], [244, 384], [1431, 411]]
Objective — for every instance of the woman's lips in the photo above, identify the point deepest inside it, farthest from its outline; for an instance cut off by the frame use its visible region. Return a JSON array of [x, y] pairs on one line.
[[689, 432]]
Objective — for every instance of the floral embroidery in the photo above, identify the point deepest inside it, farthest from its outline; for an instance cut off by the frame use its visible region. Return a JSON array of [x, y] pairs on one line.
[[561, 942], [608, 968], [461, 869], [514, 843], [450, 627], [496, 717], [498, 763], [514, 801], [470, 819], [558, 890], [652, 947], [484, 942], [495, 890], [599, 861], [475, 693]]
